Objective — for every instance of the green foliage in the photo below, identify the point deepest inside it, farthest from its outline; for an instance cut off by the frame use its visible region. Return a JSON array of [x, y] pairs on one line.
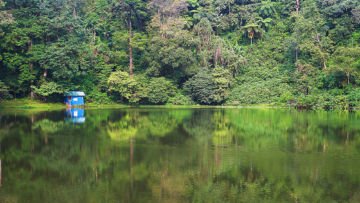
[[209, 87], [5, 16], [353, 97], [48, 88], [4, 91], [347, 60], [98, 97], [160, 90], [201, 87], [180, 99], [120, 82], [259, 85], [214, 52]]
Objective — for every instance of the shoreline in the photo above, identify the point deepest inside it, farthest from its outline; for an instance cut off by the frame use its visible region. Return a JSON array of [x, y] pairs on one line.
[[35, 105]]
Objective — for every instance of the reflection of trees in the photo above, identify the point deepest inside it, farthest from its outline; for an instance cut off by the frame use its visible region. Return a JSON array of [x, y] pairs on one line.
[[220, 155], [269, 181], [145, 125], [47, 127], [262, 177], [321, 132], [123, 129], [29, 167], [160, 124], [223, 132], [292, 131]]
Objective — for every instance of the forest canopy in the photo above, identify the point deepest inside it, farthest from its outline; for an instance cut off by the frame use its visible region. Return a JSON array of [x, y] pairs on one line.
[[212, 52]]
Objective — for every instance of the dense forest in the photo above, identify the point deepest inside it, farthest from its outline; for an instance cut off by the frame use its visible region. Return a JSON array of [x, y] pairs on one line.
[[213, 52]]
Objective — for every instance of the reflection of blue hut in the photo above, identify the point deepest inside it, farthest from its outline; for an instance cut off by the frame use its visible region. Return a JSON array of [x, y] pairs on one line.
[[75, 115], [74, 98]]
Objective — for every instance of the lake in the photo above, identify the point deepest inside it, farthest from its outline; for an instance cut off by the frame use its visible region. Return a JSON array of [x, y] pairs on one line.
[[179, 155]]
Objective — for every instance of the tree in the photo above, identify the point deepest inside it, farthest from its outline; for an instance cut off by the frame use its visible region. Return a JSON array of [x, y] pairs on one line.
[[132, 11], [166, 15], [222, 80], [128, 88], [251, 29], [209, 87], [160, 90], [4, 91], [205, 34], [201, 87], [297, 6], [256, 26], [5, 16], [268, 8], [347, 60], [48, 89]]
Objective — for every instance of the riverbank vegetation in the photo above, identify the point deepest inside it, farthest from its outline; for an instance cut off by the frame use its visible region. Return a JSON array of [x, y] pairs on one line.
[[303, 53]]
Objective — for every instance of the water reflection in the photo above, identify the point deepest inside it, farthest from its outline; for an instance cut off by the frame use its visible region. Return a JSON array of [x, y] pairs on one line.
[[186, 155], [75, 115]]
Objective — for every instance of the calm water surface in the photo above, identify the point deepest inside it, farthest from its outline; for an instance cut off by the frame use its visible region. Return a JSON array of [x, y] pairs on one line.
[[179, 155]]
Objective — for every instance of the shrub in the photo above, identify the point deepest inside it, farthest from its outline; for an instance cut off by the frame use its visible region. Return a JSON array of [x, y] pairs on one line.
[[209, 87], [121, 83], [180, 99], [4, 91], [49, 90], [98, 97], [160, 90]]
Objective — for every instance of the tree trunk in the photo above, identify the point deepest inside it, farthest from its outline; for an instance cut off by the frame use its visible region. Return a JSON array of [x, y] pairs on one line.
[[31, 70], [74, 13], [31, 83], [131, 65], [348, 77], [217, 56], [45, 73], [297, 6]]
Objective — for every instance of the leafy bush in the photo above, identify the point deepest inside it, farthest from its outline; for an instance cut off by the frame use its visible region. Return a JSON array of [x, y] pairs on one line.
[[121, 83], [259, 92], [4, 91], [48, 89], [286, 96], [260, 85], [209, 87], [180, 99], [98, 97], [201, 87], [353, 98], [160, 90], [306, 102]]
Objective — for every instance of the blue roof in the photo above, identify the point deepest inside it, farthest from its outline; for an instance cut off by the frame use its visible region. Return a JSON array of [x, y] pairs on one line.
[[75, 94]]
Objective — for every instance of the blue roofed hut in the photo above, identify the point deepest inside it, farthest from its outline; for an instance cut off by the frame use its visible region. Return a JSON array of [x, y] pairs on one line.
[[74, 98]]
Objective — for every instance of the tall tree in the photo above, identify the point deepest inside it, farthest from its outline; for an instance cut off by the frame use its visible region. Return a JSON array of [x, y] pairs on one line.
[[133, 13], [297, 6], [347, 60], [5, 16]]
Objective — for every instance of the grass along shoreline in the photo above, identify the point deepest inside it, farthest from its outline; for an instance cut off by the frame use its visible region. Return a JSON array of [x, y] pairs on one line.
[[25, 103], [35, 104]]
